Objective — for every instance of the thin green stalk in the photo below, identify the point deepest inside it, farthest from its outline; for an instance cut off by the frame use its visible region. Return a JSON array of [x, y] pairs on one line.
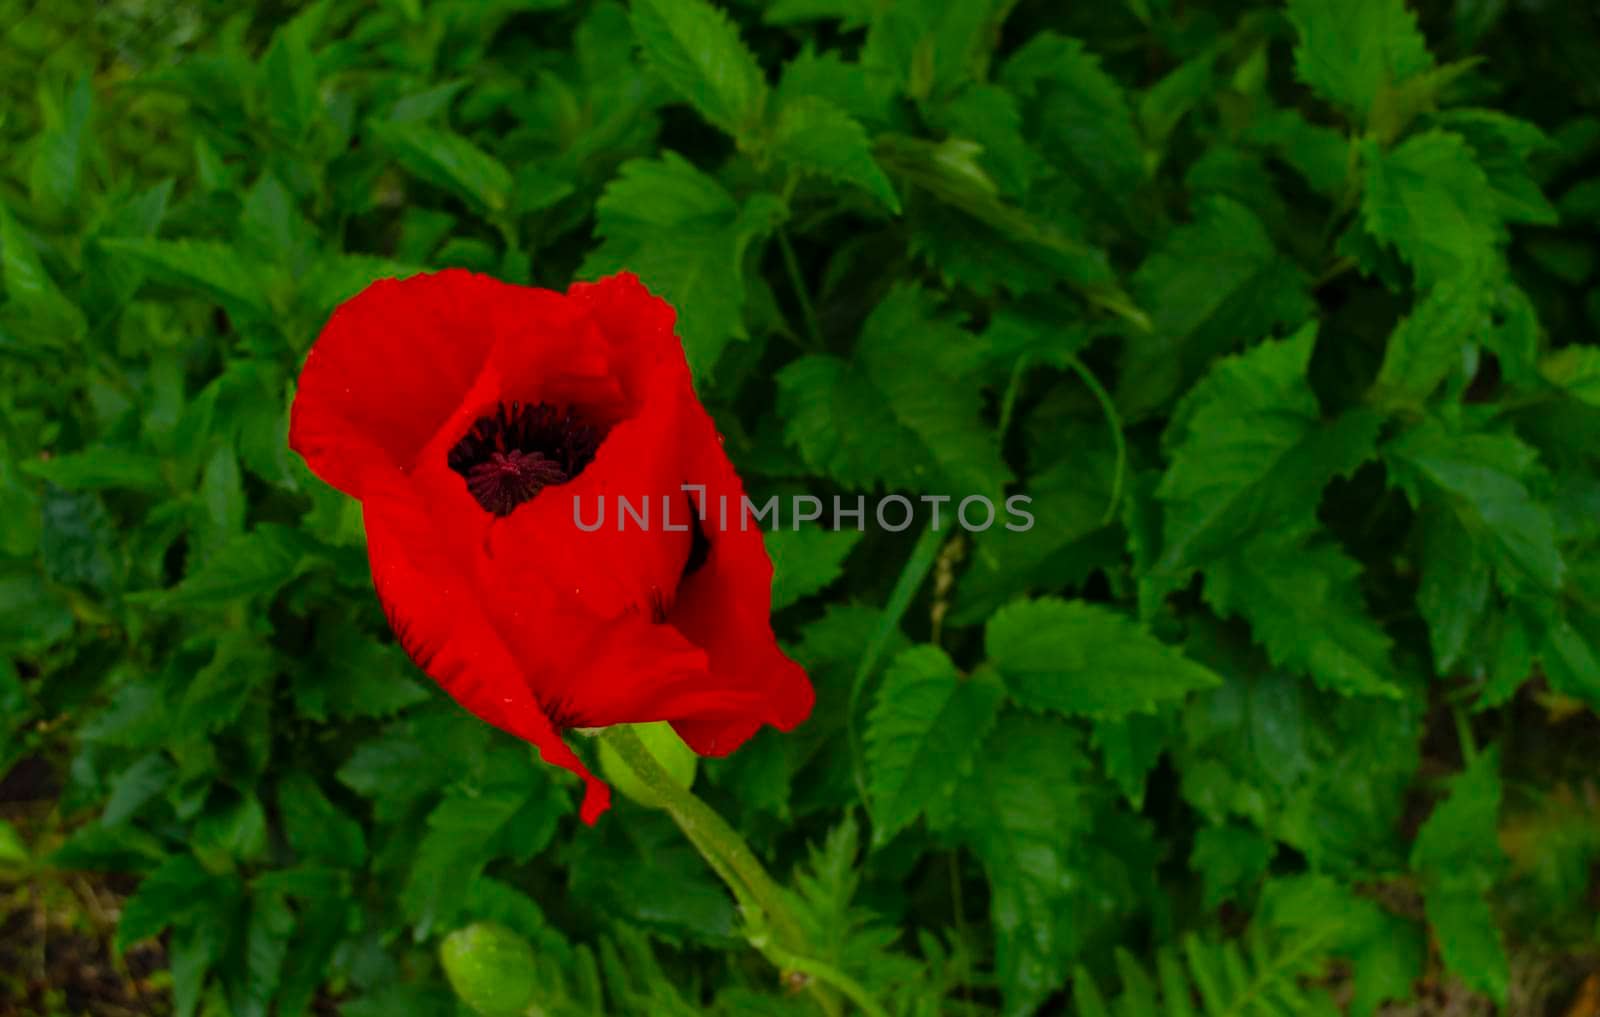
[[709, 832], [760, 897], [1113, 421], [797, 282]]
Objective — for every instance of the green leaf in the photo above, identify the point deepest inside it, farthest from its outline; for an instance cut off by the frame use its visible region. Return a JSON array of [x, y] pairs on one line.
[[1022, 811], [33, 616], [1575, 370], [1435, 338], [135, 786], [1432, 203], [1086, 125], [805, 561], [214, 270], [99, 468], [1253, 453], [1350, 50], [1504, 145], [255, 563], [697, 51], [1231, 859], [1483, 479], [685, 237], [460, 841], [1212, 285], [1304, 604], [360, 677], [1458, 857], [55, 176], [815, 136], [869, 420], [1083, 659], [314, 826], [290, 73], [1455, 587], [180, 893], [57, 320], [449, 161], [1319, 153], [922, 734], [219, 692]]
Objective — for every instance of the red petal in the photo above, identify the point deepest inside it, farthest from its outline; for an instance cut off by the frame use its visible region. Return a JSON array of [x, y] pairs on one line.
[[390, 365], [638, 326], [726, 608], [435, 610]]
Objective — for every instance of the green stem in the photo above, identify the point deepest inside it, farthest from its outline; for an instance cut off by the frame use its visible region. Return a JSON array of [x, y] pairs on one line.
[[1113, 421], [792, 264], [722, 846], [761, 899]]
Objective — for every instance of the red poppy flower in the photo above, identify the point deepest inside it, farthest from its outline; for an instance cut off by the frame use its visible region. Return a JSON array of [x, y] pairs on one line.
[[466, 415]]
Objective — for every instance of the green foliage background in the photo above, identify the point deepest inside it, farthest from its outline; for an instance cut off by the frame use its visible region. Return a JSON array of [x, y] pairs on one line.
[[1283, 315]]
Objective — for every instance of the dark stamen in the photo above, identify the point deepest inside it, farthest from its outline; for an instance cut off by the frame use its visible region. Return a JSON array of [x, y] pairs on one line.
[[511, 455]]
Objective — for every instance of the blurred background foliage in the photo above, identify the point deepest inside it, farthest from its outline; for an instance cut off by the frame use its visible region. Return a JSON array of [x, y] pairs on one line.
[[1284, 315]]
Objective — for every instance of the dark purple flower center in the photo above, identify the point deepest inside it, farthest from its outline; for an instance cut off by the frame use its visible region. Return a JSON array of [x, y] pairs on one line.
[[511, 455]]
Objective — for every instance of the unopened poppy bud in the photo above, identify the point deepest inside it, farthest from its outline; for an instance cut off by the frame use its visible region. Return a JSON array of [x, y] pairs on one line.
[[668, 749], [491, 969]]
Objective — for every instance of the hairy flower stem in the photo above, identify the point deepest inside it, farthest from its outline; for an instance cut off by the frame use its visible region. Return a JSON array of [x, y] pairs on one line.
[[727, 854]]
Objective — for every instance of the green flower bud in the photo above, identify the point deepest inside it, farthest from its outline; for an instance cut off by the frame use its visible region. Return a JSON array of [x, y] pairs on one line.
[[669, 750], [491, 968]]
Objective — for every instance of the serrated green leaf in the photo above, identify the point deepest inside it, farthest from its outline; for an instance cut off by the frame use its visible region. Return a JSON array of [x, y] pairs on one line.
[[290, 74], [1253, 453], [449, 161], [1022, 811], [1087, 126], [254, 563], [927, 724], [1457, 854], [1455, 587], [1434, 339], [815, 136], [315, 828], [56, 320], [1504, 145], [697, 51], [871, 421], [1304, 605], [1430, 201], [460, 840], [805, 561], [55, 176], [685, 237], [1349, 50], [1482, 478], [214, 270], [1082, 659], [1213, 284]]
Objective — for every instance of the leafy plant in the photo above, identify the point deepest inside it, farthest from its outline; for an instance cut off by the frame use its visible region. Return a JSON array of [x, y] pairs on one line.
[[1279, 317]]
